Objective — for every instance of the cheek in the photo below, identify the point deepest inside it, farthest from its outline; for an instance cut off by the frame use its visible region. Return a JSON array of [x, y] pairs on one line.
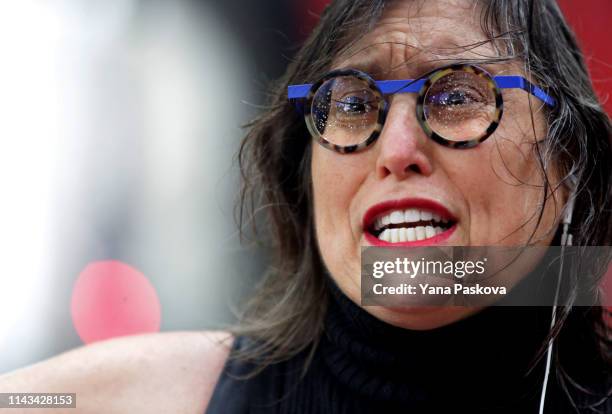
[[336, 180], [504, 189], [332, 190]]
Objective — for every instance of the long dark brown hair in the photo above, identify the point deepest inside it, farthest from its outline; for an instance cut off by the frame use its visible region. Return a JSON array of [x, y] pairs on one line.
[[285, 313]]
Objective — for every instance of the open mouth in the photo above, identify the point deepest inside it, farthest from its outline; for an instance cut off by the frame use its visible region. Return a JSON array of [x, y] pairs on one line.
[[392, 223]]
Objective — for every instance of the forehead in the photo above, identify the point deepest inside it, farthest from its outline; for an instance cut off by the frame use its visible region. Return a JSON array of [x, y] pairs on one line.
[[413, 36]]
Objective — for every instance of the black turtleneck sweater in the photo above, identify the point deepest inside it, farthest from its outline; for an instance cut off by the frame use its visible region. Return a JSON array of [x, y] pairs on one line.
[[363, 365]]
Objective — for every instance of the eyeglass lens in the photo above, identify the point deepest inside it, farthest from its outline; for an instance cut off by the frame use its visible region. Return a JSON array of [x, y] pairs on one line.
[[345, 110]]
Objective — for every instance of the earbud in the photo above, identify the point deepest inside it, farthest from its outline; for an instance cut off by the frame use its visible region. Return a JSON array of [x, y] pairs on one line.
[[566, 237]]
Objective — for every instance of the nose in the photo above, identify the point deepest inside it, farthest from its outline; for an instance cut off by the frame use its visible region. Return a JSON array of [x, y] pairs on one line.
[[403, 144]]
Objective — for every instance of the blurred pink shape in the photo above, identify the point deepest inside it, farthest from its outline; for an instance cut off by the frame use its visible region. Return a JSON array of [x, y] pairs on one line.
[[111, 299]]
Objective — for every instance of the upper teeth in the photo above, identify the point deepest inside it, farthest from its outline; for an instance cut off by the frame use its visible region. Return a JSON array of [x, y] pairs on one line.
[[409, 233], [412, 215]]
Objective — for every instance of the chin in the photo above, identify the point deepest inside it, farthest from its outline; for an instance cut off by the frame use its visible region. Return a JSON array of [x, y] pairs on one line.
[[421, 317]]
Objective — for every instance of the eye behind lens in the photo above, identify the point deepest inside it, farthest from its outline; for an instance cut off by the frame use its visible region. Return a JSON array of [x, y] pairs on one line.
[[460, 106], [345, 110]]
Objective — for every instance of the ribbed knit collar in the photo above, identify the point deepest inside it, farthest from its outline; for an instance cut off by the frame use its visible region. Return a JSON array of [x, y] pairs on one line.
[[485, 356]]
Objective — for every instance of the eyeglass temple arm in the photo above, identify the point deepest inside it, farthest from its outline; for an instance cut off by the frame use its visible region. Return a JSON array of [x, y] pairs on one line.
[[519, 82], [296, 93]]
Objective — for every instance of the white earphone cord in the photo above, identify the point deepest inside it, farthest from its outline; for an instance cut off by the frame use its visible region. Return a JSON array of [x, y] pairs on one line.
[[566, 240]]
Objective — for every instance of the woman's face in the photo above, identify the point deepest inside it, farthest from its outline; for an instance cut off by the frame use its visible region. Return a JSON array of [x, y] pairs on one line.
[[493, 192]]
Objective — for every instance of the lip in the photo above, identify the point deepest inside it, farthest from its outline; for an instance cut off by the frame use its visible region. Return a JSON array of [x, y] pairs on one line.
[[376, 210]]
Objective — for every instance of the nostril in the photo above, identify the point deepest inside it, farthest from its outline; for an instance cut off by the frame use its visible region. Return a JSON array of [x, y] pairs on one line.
[[384, 171], [414, 168]]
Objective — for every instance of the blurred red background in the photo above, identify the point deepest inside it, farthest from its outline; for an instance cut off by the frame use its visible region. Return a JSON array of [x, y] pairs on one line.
[[591, 22]]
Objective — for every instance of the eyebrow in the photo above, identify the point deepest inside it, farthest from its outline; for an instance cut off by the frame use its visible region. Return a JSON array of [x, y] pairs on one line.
[[419, 67], [369, 65], [422, 61]]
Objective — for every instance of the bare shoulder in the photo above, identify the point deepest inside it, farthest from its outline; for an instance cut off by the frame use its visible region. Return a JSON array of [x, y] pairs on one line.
[[154, 373]]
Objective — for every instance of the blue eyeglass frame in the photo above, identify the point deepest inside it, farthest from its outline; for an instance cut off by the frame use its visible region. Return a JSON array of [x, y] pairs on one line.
[[299, 94]]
